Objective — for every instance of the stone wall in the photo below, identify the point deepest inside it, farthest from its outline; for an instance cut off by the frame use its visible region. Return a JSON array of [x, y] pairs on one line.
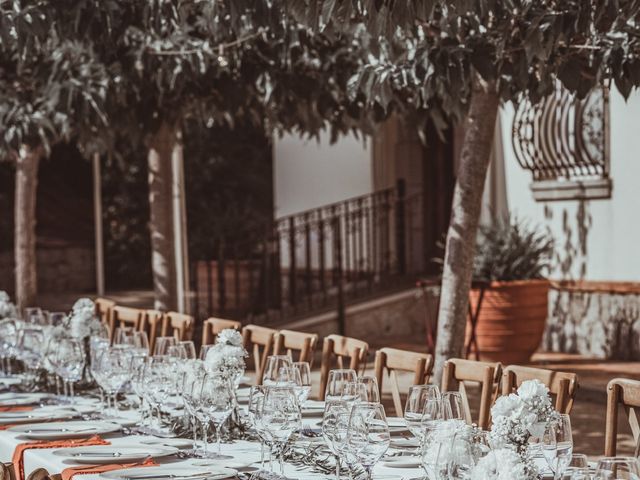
[[60, 270], [595, 319]]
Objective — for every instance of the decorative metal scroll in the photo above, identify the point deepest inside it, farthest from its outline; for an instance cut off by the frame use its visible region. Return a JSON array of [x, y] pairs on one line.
[[563, 137]]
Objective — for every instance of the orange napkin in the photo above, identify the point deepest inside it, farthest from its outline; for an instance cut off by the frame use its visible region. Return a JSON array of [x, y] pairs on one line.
[[15, 408], [68, 473], [18, 454]]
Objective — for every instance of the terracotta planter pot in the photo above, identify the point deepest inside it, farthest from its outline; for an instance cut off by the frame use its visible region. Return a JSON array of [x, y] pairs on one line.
[[512, 320]]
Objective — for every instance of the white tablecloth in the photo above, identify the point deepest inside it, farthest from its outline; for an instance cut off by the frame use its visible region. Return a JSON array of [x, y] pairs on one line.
[[240, 450]]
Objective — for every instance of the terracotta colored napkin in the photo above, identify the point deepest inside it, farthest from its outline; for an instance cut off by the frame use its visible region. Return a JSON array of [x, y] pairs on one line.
[[15, 408], [18, 454], [68, 473]]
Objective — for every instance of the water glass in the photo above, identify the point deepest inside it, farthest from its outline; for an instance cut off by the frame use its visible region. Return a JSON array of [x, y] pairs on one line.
[[617, 468], [8, 340], [189, 348], [303, 381], [217, 402], [578, 468], [333, 409], [452, 406], [414, 409], [371, 385], [276, 370], [435, 446], [557, 445], [256, 399], [337, 380], [368, 437], [162, 345], [69, 362], [281, 416], [204, 351], [113, 372]]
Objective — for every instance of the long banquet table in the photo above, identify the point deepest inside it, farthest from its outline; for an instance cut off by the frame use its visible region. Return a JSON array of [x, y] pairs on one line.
[[243, 452]]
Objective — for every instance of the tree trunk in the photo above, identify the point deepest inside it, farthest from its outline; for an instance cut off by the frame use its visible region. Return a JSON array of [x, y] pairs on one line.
[[25, 225], [465, 215], [163, 259]]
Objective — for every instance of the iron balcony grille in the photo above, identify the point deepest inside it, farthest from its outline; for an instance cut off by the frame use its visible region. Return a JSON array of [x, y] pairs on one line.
[[563, 137]]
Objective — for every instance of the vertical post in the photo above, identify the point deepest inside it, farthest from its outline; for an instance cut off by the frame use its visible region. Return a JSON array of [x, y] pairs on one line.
[[292, 261], [308, 270], [401, 234], [97, 218], [179, 225], [321, 259], [222, 287], [338, 273]]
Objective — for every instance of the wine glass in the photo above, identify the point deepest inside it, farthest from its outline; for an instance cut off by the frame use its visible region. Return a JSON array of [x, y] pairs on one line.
[[578, 468], [160, 383], [256, 398], [368, 436], [332, 410], [57, 318], [96, 345], [8, 339], [177, 351], [353, 393], [112, 365], [193, 375], [277, 370], [217, 402], [371, 385], [137, 365], [302, 374], [69, 363], [452, 406], [123, 336], [418, 397], [617, 468], [435, 445], [281, 416], [432, 412], [34, 316], [163, 344], [557, 444], [337, 380], [204, 351], [30, 348], [189, 348], [140, 342], [464, 453]]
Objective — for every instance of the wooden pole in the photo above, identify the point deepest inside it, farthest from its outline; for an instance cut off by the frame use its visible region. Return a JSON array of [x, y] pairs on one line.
[[97, 218]]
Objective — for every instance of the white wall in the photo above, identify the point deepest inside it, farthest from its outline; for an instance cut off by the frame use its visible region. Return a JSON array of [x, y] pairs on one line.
[[608, 246], [311, 174]]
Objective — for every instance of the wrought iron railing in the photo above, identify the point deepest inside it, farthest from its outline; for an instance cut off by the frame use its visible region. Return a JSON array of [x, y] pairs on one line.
[[313, 261]]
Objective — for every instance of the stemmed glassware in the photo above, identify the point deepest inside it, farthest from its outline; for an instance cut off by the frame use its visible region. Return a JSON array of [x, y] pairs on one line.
[[332, 411], [414, 409], [189, 349], [353, 393], [162, 345], [8, 340], [434, 450], [371, 386], [191, 387], [452, 406], [337, 380], [277, 370], [617, 468], [69, 362], [30, 349], [557, 444], [256, 400], [281, 416], [137, 368], [160, 381], [368, 436], [113, 370], [217, 402], [466, 449], [578, 468], [302, 381]]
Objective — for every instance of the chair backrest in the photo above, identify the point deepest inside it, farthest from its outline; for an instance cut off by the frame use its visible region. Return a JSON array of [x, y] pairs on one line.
[[563, 385], [626, 393], [289, 341], [393, 360], [7, 472], [154, 324], [127, 317], [42, 474], [341, 348], [488, 374], [258, 341], [178, 325], [213, 326], [103, 309]]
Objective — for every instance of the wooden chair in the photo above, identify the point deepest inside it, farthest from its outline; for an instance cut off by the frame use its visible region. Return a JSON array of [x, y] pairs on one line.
[[622, 391], [258, 341], [127, 317], [178, 325], [561, 384], [289, 341], [103, 309], [393, 360], [7, 472], [458, 371], [213, 326], [341, 348], [153, 324], [42, 474]]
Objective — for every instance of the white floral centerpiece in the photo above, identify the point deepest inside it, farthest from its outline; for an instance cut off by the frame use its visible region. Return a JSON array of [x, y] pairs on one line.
[[7, 308], [82, 322], [227, 356], [516, 418]]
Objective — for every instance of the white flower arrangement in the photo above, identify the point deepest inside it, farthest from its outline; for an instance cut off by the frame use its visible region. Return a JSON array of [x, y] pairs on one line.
[[227, 356], [82, 321], [7, 308], [516, 418]]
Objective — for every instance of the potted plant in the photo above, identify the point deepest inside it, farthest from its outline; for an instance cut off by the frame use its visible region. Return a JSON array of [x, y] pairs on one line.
[[512, 261]]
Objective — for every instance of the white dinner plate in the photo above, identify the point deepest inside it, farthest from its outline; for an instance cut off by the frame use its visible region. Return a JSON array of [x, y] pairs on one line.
[[62, 430], [171, 473], [11, 399], [167, 442], [106, 454], [403, 461], [33, 416], [313, 405], [403, 443]]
